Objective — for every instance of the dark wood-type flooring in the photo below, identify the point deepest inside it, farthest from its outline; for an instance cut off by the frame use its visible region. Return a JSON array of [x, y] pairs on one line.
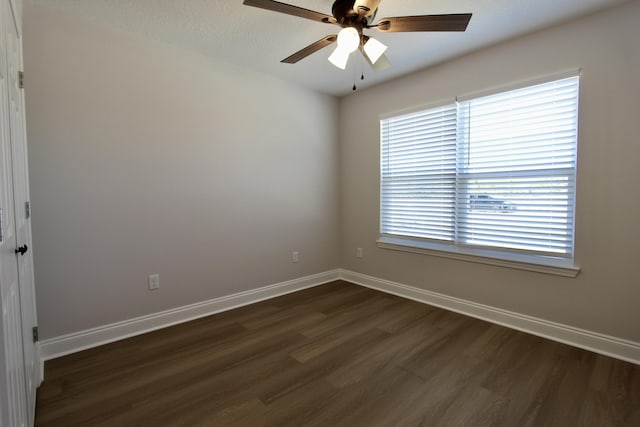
[[338, 355]]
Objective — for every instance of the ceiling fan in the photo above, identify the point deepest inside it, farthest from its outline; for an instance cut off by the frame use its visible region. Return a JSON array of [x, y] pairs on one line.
[[354, 16]]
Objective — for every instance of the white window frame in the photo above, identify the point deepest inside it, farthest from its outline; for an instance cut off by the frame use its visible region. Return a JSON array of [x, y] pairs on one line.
[[524, 260]]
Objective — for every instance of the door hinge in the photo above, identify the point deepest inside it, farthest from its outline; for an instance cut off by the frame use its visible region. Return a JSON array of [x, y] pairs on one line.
[[35, 334], [27, 209], [21, 79]]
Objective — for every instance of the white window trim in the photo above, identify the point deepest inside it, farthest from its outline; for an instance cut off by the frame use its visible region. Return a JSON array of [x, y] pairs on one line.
[[502, 258], [516, 85], [547, 265]]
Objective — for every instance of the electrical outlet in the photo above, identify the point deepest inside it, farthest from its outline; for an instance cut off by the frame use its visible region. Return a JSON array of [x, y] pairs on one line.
[[153, 281], [295, 257], [359, 252]]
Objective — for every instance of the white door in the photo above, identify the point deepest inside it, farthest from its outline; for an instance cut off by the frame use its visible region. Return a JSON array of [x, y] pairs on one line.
[[13, 406], [22, 209], [20, 373]]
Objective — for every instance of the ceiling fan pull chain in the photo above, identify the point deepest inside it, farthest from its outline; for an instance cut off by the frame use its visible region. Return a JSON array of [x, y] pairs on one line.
[[354, 79]]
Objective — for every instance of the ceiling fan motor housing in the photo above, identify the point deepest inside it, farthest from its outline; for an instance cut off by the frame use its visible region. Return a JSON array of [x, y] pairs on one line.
[[353, 13]]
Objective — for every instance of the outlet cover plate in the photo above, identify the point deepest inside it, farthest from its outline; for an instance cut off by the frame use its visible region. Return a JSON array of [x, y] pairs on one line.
[[154, 282]]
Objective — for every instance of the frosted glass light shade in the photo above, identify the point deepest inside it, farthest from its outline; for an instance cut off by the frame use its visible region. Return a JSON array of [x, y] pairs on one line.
[[339, 57], [348, 39], [374, 49]]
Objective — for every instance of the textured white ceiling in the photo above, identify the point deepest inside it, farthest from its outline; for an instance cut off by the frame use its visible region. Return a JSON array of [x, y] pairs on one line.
[[259, 39]]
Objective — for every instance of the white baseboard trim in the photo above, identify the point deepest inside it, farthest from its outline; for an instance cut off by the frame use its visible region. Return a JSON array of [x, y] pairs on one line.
[[610, 346], [78, 341], [592, 341]]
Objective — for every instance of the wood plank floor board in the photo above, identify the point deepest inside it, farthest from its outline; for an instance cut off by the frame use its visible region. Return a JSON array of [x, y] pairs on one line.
[[338, 355], [393, 349], [365, 308], [320, 368], [406, 312], [370, 402], [336, 337]]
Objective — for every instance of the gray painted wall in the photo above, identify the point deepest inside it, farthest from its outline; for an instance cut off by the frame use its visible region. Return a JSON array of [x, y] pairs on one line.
[[605, 296], [146, 159]]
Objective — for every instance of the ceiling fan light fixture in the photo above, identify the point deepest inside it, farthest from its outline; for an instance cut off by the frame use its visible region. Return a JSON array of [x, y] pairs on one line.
[[355, 16], [374, 49], [348, 39], [339, 57]]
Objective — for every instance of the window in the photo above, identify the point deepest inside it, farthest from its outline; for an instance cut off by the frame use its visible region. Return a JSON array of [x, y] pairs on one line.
[[492, 176]]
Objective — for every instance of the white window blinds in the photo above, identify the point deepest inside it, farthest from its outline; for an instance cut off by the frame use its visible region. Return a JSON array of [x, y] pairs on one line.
[[494, 172], [419, 174]]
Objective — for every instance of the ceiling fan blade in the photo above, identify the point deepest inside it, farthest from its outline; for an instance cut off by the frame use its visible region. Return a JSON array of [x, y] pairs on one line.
[[451, 22], [277, 6], [380, 65], [312, 48]]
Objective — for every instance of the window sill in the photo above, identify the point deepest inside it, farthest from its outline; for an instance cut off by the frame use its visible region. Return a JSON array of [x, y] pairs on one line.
[[553, 266]]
